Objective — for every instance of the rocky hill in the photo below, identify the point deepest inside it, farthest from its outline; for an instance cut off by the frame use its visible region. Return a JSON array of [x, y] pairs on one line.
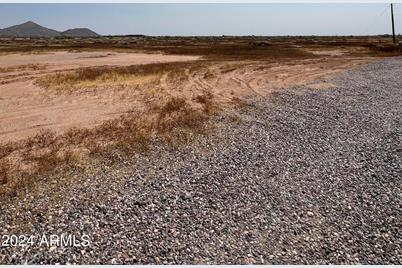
[[32, 29], [28, 29], [80, 32]]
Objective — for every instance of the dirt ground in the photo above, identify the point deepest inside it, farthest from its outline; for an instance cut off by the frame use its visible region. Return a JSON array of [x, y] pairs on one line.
[[28, 109], [144, 127], [64, 102]]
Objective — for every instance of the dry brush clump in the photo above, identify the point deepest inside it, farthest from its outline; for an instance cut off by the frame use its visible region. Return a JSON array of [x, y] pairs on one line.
[[206, 99], [95, 77], [115, 77], [21, 163], [177, 113]]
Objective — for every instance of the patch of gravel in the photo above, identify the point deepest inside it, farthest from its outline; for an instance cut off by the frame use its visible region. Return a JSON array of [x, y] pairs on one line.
[[306, 176]]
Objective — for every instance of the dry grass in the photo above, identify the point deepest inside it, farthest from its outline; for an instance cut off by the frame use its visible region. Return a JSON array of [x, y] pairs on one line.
[[174, 120], [216, 48], [238, 51], [208, 103], [73, 80], [114, 77], [21, 163], [177, 113]]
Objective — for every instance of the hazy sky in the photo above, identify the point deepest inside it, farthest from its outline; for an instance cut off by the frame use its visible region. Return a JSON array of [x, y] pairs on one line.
[[209, 19]]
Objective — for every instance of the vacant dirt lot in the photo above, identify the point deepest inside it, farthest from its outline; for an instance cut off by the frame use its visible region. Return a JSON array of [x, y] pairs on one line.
[[305, 176], [28, 108], [65, 101]]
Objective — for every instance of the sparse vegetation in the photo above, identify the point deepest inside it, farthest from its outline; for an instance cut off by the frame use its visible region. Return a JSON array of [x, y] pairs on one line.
[[169, 116], [127, 76], [128, 134], [213, 48], [209, 106], [79, 79]]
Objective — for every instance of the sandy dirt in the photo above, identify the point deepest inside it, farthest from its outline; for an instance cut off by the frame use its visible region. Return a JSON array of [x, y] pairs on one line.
[[26, 109], [65, 59], [230, 81]]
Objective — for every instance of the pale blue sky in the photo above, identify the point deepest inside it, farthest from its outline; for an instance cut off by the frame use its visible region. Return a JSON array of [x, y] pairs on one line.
[[209, 19]]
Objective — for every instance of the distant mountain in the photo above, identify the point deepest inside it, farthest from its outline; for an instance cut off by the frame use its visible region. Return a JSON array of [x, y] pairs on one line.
[[31, 29], [28, 29], [79, 32]]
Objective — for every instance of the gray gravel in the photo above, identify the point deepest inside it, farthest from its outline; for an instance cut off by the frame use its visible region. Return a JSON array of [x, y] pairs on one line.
[[306, 176]]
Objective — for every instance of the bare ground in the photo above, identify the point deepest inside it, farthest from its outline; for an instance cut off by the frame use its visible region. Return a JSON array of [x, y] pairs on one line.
[[28, 109], [67, 101], [304, 176]]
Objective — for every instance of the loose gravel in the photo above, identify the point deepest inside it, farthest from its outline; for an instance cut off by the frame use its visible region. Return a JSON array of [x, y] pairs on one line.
[[305, 176]]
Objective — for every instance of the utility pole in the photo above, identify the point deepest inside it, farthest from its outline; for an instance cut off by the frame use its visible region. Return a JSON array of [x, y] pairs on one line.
[[393, 25]]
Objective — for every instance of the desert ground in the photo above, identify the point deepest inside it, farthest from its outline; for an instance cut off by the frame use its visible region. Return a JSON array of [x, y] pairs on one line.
[[203, 149], [28, 108]]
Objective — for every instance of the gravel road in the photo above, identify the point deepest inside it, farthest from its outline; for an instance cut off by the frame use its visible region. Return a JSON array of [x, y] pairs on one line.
[[306, 176]]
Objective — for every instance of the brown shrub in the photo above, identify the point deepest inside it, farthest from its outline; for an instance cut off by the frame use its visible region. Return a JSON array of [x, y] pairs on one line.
[[4, 169], [6, 149], [95, 77], [175, 113], [174, 120], [206, 99]]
